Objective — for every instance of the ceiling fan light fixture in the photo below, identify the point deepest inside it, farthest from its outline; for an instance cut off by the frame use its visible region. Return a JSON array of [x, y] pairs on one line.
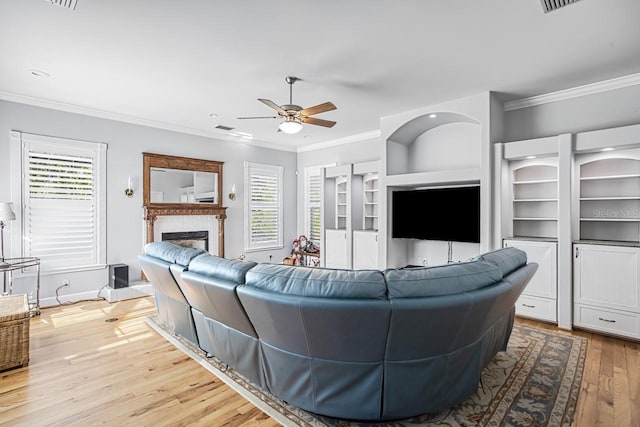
[[291, 125]]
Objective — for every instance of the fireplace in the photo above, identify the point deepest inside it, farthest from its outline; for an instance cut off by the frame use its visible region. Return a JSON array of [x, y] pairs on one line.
[[189, 239]]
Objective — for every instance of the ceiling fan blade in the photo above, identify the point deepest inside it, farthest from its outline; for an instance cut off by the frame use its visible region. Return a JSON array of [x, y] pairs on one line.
[[317, 109], [265, 117], [273, 105], [318, 122]]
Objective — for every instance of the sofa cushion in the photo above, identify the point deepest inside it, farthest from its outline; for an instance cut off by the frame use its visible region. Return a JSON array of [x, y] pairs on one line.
[[441, 280], [187, 254], [165, 251], [318, 282], [172, 253], [221, 268], [507, 259]]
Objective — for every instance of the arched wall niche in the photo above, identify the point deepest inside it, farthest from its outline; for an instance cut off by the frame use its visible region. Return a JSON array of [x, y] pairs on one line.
[[434, 141]]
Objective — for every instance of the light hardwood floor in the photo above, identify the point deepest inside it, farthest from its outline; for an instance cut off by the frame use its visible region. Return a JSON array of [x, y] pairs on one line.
[[87, 371]]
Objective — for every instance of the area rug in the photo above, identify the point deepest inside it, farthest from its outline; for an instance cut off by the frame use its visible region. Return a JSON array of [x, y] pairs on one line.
[[534, 383]]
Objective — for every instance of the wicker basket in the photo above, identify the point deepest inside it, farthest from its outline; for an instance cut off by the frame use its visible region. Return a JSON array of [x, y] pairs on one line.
[[14, 331]]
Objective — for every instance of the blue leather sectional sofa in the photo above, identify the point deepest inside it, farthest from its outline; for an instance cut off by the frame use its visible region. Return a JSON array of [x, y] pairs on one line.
[[362, 345]]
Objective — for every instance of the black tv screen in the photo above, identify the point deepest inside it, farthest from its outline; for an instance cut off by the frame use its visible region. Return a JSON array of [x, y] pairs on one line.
[[447, 214]]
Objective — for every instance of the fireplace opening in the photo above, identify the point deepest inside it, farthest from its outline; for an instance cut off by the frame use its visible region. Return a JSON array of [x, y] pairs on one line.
[[189, 239]]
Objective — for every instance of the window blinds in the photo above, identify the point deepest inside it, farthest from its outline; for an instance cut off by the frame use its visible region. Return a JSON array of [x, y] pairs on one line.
[[264, 206], [61, 215]]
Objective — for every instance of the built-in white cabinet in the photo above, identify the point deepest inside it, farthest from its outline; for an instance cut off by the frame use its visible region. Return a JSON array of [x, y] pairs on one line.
[[341, 207], [336, 249], [607, 288], [365, 250], [539, 299]]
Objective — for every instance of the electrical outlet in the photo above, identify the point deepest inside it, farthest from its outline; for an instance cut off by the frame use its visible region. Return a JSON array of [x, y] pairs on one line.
[[66, 283], [424, 262]]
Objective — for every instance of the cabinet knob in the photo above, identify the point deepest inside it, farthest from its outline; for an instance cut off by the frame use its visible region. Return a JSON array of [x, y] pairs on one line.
[[606, 320], [528, 306]]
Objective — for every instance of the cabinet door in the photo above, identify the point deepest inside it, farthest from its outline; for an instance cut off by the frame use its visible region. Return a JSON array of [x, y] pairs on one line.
[[607, 276], [544, 282], [336, 255], [365, 250]]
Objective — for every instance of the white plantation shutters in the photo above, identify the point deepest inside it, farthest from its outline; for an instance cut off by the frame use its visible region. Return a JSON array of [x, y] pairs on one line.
[[263, 203], [62, 219], [312, 209]]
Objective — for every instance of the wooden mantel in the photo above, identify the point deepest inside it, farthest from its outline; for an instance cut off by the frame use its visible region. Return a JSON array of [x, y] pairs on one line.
[[153, 210], [152, 213]]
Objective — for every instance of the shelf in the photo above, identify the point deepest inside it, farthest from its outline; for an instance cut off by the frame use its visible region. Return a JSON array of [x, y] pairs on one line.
[[537, 181], [535, 219], [594, 178], [610, 198], [611, 219], [534, 200], [370, 191]]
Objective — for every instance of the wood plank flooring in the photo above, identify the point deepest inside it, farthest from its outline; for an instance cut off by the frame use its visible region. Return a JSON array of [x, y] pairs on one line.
[[86, 371]]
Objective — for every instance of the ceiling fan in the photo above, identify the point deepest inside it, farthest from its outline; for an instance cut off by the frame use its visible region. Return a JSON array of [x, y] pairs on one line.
[[294, 115]]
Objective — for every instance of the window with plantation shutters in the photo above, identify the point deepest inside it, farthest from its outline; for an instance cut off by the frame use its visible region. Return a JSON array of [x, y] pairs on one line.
[[312, 204], [63, 223], [263, 203]]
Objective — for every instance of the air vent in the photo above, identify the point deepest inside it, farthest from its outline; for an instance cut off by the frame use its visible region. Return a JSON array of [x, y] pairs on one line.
[[221, 127], [551, 5], [69, 4]]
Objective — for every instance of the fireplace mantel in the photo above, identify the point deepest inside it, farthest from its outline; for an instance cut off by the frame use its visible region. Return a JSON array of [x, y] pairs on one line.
[[154, 209], [152, 213]]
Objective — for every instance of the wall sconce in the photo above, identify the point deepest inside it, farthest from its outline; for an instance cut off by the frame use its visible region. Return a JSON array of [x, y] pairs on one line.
[[129, 190], [232, 195]]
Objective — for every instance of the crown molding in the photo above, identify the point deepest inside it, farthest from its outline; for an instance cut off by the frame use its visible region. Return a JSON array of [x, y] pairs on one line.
[[126, 118], [340, 141], [588, 89]]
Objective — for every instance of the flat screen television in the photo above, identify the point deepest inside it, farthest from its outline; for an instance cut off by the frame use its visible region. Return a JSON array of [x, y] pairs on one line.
[[447, 214]]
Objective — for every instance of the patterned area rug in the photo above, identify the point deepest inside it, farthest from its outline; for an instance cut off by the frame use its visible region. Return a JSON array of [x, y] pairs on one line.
[[534, 383]]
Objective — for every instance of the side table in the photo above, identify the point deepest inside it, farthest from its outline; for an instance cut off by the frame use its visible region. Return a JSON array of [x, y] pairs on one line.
[[9, 265]]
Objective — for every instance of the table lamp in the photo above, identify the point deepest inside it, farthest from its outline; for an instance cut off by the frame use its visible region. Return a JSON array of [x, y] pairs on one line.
[[6, 214]]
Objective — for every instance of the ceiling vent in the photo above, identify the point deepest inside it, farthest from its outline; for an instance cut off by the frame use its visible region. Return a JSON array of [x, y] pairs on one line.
[[551, 5], [69, 4], [221, 127]]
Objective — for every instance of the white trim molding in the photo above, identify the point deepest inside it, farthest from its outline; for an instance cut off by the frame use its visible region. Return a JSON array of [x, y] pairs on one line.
[[126, 118], [339, 141], [588, 89]]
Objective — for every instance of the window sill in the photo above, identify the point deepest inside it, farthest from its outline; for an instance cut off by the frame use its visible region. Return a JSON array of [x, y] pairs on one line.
[[265, 248]]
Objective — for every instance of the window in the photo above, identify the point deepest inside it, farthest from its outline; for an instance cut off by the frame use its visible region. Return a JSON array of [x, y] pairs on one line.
[[263, 204], [63, 202], [312, 202]]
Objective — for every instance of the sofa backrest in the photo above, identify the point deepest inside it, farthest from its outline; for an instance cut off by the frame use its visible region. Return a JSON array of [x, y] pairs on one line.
[[209, 285], [441, 280], [318, 282], [322, 339]]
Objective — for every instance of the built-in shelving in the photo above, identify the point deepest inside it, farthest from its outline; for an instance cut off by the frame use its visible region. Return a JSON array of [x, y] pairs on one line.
[[370, 200], [534, 186], [341, 203], [609, 196]]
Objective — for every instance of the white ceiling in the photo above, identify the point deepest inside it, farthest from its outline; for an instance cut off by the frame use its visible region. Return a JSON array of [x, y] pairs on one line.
[[172, 63]]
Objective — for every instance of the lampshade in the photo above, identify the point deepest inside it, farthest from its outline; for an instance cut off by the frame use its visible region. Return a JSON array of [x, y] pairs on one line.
[[6, 211], [291, 125]]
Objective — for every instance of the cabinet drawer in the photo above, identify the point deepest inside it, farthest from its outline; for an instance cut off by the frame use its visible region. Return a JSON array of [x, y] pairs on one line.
[[615, 322], [537, 308]]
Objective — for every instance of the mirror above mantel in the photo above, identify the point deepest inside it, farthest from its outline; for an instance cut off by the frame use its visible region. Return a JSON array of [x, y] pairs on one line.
[[182, 186]]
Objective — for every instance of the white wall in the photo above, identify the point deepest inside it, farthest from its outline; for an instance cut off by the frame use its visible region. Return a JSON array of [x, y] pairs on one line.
[[619, 107], [126, 142]]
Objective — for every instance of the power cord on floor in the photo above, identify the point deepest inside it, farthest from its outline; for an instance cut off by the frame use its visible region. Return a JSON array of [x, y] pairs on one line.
[[98, 298]]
